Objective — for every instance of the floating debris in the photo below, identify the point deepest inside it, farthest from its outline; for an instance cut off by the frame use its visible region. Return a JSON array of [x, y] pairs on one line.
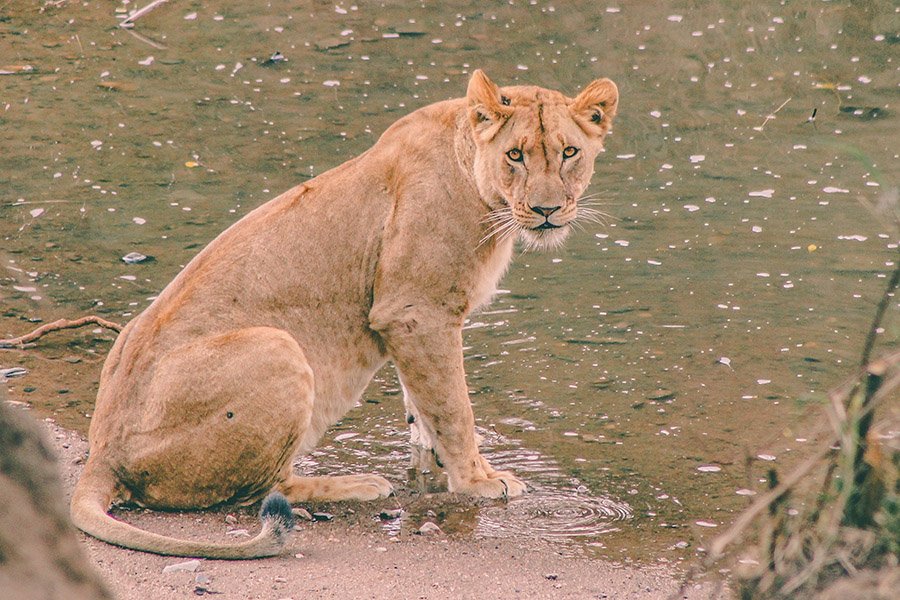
[[16, 69], [276, 58], [709, 468], [762, 194]]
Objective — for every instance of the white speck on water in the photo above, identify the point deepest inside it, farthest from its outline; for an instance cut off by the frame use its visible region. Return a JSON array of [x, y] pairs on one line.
[[706, 524], [756, 229], [697, 158], [613, 9], [36, 212], [22, 288], [345, 436], [666, 167], [390, 36], [556, 260], [655, 263], [422, 77], [763, 381], [766, 457], [127, 277], [331, 83], [340, 11], [570, 433], [96, 144], [763, 274], [218, 18], [835, 190], [190, 16], [711, 200], [655, 114], [741, 112], [864, 79], [139, 220], [674, 18], [346, 32], [745, 492], [853, 238], [220, 67], [623, 243], [147, 61], [709, 468], [522, 67], [691, 207], [624, 156], [762, 194], [285, 80], [724, 360], [601, 236], [104, 74]]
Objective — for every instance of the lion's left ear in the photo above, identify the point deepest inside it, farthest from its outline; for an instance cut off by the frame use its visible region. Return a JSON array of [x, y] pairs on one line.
[[487, 110], [596, 105]]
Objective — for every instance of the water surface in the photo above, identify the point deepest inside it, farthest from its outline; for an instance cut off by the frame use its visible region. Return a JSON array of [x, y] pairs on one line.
[[634, 377]]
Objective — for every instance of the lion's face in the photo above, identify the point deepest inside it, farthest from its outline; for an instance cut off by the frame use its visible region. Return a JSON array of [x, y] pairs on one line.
[[534, 158]]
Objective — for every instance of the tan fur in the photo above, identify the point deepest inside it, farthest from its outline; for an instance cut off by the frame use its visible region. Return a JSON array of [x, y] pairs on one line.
[[273, 331]]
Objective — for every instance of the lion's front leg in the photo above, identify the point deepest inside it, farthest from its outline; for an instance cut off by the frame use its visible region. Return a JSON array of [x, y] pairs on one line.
[[430, 364]]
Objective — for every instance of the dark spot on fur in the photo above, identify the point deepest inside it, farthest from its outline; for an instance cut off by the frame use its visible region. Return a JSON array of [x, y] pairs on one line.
[[504, 100], [410, 419], [229, 415]]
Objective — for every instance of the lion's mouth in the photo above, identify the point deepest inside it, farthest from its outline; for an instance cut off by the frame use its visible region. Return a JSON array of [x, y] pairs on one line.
[[546, 225]]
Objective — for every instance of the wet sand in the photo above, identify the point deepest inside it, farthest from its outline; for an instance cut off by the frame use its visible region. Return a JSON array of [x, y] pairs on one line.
[[354, 558]]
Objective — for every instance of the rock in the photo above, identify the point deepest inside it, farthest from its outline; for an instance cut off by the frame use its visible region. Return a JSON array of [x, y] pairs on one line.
[[133, 258], [551, 576], [188, 567], [322, 516], [390, 515], [231, 519], [429, 528], [302, 513], [661, 395], [235, 533], [13, 372]]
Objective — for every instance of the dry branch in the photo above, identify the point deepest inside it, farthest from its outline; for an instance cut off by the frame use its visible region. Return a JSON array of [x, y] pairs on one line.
[[57, 326]]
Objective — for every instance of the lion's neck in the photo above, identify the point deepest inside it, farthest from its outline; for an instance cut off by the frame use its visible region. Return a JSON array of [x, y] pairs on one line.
[[464, 147]]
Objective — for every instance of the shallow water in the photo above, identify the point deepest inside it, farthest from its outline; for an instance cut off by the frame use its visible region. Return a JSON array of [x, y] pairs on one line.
[[634, 377]]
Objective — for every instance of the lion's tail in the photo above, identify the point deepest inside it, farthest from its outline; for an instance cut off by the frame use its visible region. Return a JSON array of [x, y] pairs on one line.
[[92, 498]]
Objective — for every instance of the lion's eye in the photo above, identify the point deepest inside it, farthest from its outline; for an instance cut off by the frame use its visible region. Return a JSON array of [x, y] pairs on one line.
[[570, 151], [515, 155]]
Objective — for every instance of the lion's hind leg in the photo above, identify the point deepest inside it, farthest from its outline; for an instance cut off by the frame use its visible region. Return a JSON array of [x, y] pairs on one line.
[[335, 488], [225, 417]]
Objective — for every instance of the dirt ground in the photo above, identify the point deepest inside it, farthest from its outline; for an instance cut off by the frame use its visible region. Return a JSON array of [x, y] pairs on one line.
[[354, 559]]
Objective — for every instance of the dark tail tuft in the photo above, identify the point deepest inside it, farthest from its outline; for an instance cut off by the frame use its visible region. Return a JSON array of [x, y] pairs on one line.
[[276, 510]]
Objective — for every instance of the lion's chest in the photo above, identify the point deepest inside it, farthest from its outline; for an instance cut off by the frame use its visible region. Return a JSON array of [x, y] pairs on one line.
[[490, 273]]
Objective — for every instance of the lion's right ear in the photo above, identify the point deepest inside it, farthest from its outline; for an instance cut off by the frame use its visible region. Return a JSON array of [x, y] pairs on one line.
[[486, 110]]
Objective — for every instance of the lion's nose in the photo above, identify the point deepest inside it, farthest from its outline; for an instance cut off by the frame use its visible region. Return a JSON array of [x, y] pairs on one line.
[[544, 211]]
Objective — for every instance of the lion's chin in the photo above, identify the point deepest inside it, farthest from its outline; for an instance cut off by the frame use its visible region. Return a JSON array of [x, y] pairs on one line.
[[544, 239]]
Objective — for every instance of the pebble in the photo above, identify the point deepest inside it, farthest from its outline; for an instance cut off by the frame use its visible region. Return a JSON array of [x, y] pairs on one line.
[[322, 516], [389, 515], [188, 566], [231, 519], [429, 528]]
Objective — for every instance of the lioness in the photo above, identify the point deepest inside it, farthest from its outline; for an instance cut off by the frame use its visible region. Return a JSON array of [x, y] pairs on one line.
[[273, 331]]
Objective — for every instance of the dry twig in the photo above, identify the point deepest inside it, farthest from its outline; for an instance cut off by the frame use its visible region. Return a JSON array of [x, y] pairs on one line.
[[56, 326]]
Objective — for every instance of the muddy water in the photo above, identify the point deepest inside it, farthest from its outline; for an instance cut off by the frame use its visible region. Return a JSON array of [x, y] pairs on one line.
[[639, 378]]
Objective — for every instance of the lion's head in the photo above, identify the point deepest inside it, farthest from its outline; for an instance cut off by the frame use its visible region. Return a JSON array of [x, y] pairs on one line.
[[534, 154]]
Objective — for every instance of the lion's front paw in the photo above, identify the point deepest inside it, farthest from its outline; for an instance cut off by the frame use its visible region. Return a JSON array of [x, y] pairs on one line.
[[498, 484]]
